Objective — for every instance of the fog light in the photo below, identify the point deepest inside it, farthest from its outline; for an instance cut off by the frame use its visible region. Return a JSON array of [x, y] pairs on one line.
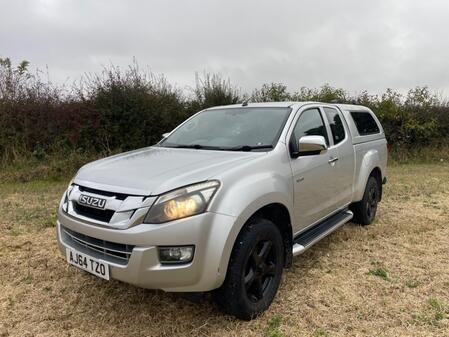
[[179, 254]]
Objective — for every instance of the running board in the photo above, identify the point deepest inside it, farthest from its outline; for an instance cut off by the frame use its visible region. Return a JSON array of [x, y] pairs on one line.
[[308, 238]]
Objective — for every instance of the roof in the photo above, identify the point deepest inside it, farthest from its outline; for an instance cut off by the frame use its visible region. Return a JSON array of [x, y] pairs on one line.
[[262, 105], [289, 104], [351, 107]]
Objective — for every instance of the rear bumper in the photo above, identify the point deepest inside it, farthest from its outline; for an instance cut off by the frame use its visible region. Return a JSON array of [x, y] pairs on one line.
[[208, 232]]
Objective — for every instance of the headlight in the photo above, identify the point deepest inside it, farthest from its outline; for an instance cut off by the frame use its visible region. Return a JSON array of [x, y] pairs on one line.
[[65, 197], [183, 202]]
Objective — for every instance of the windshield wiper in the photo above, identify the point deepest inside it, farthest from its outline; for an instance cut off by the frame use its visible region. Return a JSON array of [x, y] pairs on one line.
[[250, 147], [209, 147], [193, 146]]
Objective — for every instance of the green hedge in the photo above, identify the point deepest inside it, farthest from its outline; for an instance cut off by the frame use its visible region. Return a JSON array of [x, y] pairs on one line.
[[122, 109]]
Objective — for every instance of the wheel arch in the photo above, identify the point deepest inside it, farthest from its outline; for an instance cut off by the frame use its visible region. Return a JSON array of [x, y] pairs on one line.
[[370, 166], [280, 216], [275, 210]]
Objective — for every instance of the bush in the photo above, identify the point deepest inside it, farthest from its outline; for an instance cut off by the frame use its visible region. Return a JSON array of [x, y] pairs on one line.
[[119, 110], [132, 109], [212, 90], [273, 92], [28, 106]]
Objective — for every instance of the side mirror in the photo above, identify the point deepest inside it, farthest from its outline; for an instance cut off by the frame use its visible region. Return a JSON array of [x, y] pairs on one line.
[[165, 135], [311, 145]]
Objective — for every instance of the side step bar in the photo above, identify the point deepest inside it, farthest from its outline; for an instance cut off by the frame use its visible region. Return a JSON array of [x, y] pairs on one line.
[[306, 239]]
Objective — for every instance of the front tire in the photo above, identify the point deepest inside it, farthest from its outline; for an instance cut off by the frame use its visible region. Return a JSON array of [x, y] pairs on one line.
[[254, 271], [365, 210]]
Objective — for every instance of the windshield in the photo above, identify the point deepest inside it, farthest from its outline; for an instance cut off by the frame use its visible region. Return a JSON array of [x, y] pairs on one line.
[[243, 129]]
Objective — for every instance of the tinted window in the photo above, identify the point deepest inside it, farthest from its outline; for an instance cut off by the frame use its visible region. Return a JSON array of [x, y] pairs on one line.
[[365, 123], [309, 123], [336, 124]]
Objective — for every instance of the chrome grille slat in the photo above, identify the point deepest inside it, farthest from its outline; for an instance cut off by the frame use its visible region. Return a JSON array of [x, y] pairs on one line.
[[103, 251], [99, 250], [120, 211], [105, 243], [119, 196], [121, 252]]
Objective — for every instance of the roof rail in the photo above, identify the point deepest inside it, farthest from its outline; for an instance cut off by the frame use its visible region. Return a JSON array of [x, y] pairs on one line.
[[351, 101]]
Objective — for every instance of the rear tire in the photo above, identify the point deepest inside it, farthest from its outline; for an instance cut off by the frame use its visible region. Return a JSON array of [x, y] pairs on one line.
[[254, 271], [365, 210]]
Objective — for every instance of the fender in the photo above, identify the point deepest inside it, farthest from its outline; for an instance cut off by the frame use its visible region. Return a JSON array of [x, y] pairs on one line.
[[370, 161], [263, 190]]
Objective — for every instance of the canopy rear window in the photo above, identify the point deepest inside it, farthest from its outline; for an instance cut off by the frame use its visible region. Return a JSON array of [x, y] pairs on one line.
[[365, 123]]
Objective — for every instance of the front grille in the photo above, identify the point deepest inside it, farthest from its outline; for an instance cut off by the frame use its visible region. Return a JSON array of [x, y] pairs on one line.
[[104, 215], [109, 251], [118, 196]]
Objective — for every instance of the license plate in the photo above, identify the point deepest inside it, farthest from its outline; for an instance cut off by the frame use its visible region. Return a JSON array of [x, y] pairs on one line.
[[87, 263]]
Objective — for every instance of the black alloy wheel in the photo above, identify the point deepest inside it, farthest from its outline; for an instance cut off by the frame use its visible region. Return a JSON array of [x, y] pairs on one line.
[[371, 202], [260, 270], [366, 209], [254, 270]]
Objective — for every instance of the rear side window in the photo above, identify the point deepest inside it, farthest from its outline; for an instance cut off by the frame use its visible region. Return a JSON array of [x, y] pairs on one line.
[[365, 123], [337, 128], [310, 123]]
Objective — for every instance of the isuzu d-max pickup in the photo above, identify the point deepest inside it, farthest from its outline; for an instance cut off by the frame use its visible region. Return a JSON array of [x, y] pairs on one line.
[[224, 201]]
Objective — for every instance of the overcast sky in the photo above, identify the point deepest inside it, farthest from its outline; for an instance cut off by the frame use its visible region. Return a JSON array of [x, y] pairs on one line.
[[354, 44]]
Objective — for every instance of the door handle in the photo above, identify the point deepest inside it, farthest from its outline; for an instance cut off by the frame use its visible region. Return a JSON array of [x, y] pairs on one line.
[[332, 160]]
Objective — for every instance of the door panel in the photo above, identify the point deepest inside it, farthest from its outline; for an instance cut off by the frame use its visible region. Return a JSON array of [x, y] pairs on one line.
[[345, 172], [313, 176], [345, 154], [314, 189]]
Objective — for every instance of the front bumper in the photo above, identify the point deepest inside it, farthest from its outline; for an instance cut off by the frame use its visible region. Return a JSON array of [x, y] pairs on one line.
[[209, 232]]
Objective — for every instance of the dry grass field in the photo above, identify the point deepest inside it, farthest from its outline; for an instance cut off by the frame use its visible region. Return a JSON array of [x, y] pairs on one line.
[[387, 279]]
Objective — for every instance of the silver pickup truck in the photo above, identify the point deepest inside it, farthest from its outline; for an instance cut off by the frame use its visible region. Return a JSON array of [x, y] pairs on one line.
[[224, 201]]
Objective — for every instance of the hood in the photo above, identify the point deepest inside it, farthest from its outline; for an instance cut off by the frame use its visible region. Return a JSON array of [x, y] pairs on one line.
[[154, 170]]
